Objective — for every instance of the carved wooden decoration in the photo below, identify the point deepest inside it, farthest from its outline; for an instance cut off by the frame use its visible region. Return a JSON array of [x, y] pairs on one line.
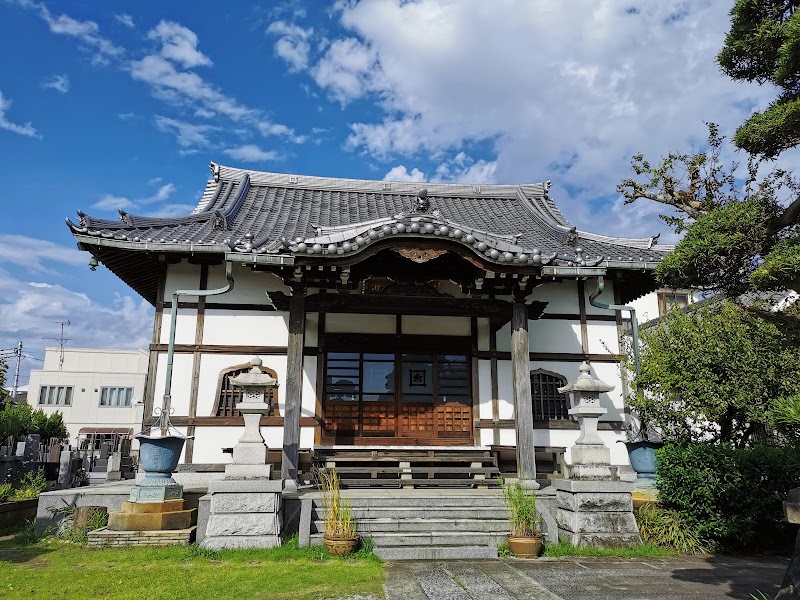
[[419, 255]]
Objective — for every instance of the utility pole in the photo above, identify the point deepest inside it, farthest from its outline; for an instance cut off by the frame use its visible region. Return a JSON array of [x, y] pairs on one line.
[[18, 354], [62, 341]]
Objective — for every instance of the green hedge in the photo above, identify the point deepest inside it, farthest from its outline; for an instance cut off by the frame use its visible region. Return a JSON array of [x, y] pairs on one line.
[[731, 496]]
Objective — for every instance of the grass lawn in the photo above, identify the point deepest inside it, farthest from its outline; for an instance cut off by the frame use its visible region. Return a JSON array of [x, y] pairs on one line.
[[52, 568], [635, 551]]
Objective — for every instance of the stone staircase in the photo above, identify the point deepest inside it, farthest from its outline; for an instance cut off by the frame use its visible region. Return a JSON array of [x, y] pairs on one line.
[[422, 524]]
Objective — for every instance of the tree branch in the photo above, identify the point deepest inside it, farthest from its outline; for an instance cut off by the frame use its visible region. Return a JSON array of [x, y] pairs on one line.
[[787, 218]]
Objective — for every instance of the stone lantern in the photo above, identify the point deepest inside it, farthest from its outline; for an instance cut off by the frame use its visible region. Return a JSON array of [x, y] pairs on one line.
[[246, 505], [590, 456], [595, 507], [250, 452]]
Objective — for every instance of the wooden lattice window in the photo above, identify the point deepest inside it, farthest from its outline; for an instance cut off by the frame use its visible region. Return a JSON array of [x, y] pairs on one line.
[[229, 395], [548, 403]]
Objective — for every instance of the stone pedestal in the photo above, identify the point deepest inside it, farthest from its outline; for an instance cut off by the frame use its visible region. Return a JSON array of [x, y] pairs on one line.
[[151, 516], [595, 513], [595, 507], [244, 514]]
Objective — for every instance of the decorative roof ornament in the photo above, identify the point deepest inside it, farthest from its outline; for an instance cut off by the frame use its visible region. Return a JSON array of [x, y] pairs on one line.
[[571, 237], [214, 170], [421, 202]]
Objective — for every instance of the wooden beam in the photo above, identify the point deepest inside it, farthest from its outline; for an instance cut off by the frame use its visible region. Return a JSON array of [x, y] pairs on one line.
[[554, 356], [198, 339], [521, 375], [186, 421], [152, 363], [476, 400], [294, 385], [320, 376], [494, 382]]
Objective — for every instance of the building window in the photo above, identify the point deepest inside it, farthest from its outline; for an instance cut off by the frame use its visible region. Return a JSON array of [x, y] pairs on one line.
[[228, 395], [55, 395], [669, 300], [116, 396], [548, 403]]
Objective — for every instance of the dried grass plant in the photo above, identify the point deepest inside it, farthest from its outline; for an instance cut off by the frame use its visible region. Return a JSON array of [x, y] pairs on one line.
[[339, 521]]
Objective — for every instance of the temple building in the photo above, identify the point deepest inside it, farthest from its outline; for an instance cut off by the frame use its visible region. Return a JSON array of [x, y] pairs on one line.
[[392, 314]]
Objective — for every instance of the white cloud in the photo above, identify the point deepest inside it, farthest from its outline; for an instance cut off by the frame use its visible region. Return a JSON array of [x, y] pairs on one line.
[[292, 44], [179, 44], [126, 116], [32, 253], [111, 202], [251, 153], [267, 128], [59, 83], [27, 129], [510, 78], [188, 135], [400, 173], [125, 19], [86, 32], [464, 169], [30, 311], [348, 70]]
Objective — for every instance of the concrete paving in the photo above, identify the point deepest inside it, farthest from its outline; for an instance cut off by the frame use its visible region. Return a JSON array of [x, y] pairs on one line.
[[690, 578]]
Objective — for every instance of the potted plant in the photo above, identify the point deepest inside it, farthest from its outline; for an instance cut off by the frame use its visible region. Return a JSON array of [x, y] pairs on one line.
[[526, 537], [642, 441], [340, 535]]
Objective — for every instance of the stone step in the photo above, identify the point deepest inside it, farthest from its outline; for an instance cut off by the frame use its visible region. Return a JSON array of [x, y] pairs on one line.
[[431, 538], [369, 526], [475, 501], [436, 552], [407, 512]]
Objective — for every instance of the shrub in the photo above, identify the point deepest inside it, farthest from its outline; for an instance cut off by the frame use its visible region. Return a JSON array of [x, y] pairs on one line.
[[5, 491], [30, 485], [666, 528], [728, 495]]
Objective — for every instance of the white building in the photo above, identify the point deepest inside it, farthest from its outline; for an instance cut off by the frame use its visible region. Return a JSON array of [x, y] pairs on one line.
[[95, 389], [391, 313]]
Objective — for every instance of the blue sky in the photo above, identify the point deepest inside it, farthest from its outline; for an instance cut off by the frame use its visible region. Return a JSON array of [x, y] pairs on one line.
[[107, 105]]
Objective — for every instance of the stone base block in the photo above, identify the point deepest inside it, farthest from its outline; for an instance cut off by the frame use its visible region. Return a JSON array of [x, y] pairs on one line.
[[599, 540], [591, 454], [261, 471], [241, 502], [234, 542], [106, 538], [155, 493], [596, 522], [166, 521], [242, 524], [250, 453], [153, 507], [595, 502]]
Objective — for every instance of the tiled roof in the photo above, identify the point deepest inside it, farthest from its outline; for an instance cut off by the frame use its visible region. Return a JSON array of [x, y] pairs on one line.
[[278, 214]]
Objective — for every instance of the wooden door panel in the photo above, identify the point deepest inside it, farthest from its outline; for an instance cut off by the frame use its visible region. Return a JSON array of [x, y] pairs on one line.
[[378, 418], [453, 420], [417, 420]]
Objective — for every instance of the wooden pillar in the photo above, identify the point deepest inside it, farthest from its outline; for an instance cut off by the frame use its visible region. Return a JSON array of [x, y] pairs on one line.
[[188, 454], [290, 456], [523, 409]]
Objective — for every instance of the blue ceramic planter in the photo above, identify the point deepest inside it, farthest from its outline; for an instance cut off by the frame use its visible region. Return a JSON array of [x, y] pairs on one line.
[[644, 461], [158, 457]]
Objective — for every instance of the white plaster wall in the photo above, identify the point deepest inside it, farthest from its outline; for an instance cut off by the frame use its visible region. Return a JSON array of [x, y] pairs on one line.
[[607, 372], [350, 323], [181, 276], [505, 390], [508, 437], [209, 442], [484, 389], [430, 325], [249, 286], [607, 297], [487, 437], [646, 307], [551, 335], [603, 337], [484, 333], [309, 389], [245, 328], [181, 382], [211, 365], [562, 297], [565, 438], [184, 328], [312, 327]]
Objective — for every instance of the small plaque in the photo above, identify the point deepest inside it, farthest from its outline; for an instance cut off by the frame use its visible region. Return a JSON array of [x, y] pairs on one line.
[[156, 493]]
